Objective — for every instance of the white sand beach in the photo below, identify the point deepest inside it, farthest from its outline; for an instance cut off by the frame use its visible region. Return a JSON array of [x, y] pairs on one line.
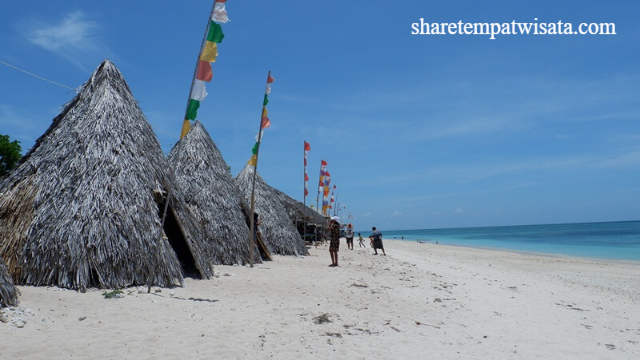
[[420, 301]]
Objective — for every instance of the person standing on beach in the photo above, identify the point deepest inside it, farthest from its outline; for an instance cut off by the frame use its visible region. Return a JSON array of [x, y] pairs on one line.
[[376, 240], [361, 240], [349, 235], [334, 236]]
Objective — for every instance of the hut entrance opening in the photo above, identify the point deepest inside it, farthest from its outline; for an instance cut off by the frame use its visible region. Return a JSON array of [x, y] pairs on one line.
[[177, 241]]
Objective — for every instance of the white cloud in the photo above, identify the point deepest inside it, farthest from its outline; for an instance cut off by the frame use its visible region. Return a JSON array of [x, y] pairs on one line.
[[459, 211], [73, 38], [396, 214]]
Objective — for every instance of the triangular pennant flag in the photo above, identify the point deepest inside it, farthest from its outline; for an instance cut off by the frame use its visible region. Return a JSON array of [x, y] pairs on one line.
[[253, 161], [265, 123]]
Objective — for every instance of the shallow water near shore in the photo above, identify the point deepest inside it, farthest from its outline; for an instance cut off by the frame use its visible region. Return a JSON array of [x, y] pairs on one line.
[[605, 240]]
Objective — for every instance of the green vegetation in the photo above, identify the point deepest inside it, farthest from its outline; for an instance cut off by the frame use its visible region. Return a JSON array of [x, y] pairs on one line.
[[9, 154], [112, 294]]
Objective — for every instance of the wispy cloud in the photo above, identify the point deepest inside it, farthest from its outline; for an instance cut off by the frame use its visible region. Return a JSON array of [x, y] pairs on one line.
[[73, 39]]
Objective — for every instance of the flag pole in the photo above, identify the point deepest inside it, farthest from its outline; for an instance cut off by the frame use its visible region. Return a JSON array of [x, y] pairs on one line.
[[186, 125], [253, 186], [319, 178], [304, 192]]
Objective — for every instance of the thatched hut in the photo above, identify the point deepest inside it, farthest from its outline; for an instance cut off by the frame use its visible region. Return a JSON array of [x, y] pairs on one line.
[[8, 292], [278, 231], [85, 206], [212, 196], [309, 222]]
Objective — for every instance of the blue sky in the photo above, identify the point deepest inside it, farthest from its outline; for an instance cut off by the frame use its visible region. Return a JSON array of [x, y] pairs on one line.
[[419, 131]]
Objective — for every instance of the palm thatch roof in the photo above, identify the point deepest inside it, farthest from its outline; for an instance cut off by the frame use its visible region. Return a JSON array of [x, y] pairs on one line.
[[84, 206], [298, 212], [213, 197], [8, 292], [278, 231]]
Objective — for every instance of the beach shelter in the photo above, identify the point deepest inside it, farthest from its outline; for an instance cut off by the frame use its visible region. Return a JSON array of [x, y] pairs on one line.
[[8, 292], [302, 216], [212, 196], [278, 231], [86, 205]]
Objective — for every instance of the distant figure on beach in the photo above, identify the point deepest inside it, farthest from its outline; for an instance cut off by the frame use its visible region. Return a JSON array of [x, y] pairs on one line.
[[361, 241], [349, 235], [334, 236], [376, 240]]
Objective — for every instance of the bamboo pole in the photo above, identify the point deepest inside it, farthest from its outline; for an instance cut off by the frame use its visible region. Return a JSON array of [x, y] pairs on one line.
[[253, 186], [164, 216], [304, 190], [187, 123]]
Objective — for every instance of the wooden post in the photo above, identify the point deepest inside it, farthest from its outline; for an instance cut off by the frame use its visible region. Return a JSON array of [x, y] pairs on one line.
[[253, 186]]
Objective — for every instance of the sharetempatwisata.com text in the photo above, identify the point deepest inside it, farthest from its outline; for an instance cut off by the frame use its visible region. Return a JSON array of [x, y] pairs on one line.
[[512, 28]]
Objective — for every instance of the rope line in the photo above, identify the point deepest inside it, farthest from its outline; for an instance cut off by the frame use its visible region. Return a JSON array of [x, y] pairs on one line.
[[36, 76]]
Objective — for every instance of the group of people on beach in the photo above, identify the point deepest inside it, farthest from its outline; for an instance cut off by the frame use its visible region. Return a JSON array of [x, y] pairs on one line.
[[334, 244]]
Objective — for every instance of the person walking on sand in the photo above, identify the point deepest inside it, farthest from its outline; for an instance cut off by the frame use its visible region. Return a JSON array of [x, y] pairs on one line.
[[361, 241], [349, 235], [376, 240], [334, 236]]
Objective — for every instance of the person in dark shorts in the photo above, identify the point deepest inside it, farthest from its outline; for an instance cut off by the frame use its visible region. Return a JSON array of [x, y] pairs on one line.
[[334, 236], [349, 235], [376, 240]]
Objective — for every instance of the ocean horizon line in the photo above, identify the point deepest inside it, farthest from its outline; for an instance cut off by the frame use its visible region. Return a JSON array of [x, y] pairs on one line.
[[504, 226]]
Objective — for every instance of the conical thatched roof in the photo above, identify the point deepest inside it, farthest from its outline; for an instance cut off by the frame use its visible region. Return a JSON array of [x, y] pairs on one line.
[[278, 231], [84, 205], [213, 197], [8, 293], [298, 212]]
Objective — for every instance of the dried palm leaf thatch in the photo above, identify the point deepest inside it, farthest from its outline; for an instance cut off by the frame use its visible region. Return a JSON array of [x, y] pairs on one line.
[[298, 212], [213, 197], [83, 206], [8, 292], [278, 231], [309, 223]]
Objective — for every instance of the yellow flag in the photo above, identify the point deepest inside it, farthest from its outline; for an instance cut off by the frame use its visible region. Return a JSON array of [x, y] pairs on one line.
[[186, 126], [253, 161], [265, 113], [210, 52]]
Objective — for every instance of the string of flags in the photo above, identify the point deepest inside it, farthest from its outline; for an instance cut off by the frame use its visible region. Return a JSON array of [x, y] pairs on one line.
[[307, 148], [264, 123], [208, 55]]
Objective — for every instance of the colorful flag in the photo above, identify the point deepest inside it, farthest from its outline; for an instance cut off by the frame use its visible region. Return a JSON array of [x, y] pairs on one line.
[[198, 90], [208, 54], [264, 123], [307, 147]]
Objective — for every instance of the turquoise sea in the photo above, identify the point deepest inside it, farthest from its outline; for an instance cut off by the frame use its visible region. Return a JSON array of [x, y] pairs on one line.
[[604, 240]]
